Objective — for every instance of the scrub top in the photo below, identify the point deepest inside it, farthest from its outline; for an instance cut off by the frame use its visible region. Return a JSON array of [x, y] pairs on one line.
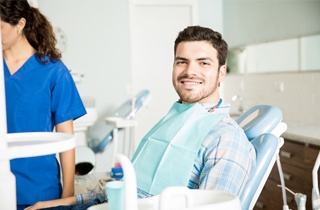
[[38, 97]]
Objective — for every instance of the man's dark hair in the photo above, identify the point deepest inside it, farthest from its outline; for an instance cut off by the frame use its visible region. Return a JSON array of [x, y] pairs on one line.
[[198, 33]]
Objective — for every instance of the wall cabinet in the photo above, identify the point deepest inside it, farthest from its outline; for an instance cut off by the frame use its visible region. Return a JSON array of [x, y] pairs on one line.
[[299, 56], [248, 22], [297, 161]]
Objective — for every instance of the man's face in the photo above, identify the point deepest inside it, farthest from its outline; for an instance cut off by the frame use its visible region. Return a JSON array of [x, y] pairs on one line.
[[196, 73]]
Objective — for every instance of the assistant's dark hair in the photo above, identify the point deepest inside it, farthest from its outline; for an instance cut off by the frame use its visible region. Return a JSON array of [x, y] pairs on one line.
[[38, 30], [198, 33]]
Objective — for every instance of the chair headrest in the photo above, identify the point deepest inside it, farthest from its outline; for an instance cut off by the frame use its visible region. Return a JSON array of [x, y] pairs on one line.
[[259, 119]]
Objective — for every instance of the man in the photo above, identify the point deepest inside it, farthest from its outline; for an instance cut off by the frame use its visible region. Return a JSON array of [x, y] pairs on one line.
[[224, 158], [196, 144]]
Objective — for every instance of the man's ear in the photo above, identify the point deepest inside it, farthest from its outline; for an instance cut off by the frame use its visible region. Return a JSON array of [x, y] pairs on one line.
[[222, 73]]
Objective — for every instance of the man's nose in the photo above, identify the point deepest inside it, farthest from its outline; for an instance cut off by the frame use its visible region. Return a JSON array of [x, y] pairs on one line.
[[191, 68]]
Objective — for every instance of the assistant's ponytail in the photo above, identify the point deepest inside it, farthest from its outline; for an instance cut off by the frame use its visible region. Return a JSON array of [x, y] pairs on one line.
[[40, 35]]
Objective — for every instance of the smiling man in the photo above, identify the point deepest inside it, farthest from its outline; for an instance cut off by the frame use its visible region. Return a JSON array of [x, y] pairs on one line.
[[196, 144]]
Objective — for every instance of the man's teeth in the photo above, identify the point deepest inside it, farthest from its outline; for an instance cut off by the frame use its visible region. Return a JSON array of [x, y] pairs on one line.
[[191, 82]]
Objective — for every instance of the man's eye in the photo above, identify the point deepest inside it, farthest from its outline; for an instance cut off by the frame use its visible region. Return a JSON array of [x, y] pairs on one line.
[[180, 62]]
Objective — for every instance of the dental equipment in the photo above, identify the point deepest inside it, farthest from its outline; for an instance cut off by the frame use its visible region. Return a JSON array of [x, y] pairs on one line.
[[101, 134], [300, 198], [315, 187], [118, 123], [84, 160], [173, 198], [240, 107]]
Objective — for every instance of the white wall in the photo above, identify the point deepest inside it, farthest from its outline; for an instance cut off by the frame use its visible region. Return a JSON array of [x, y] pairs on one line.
[[97, 46], [295, 93], [211, 14]]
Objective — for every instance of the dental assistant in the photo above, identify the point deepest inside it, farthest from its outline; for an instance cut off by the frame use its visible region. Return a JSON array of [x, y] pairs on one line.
[[40, 96]]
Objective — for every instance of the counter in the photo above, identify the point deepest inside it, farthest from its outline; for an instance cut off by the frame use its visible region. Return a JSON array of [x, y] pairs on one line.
[[309, 134]]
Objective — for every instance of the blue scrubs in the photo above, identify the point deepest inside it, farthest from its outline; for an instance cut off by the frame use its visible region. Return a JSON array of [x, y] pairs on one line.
[[38, 97]]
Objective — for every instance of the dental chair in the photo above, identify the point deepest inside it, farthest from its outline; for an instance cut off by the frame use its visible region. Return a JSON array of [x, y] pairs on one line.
[[263, 126], [101, 134]]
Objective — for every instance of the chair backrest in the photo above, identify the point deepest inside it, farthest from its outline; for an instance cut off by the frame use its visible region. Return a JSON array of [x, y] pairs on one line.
[[260, 119], [266, 146], [263, 127], [101, 134]]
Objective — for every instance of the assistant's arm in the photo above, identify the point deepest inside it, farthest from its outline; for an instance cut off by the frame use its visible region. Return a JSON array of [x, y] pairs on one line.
[[67, 160], [46, 204]]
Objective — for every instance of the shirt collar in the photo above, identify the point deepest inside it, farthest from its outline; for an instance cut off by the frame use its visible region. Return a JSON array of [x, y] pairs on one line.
[[222, 109]]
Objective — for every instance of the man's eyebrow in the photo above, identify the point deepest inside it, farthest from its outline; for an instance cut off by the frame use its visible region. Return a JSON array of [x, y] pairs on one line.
[[204, 58], [180, 58], [198, 59]]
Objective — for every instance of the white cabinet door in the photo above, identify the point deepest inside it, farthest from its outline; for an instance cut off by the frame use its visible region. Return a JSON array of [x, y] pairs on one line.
[[154, 26]]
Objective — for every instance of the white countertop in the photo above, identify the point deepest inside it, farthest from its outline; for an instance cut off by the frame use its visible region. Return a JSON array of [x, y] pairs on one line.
[[303, 133]]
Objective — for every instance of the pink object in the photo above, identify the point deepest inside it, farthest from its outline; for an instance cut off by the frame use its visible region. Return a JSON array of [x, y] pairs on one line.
[[117, 165]]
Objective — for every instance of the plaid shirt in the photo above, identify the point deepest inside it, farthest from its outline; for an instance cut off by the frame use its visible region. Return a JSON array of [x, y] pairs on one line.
[[226, 158], [91, 196]]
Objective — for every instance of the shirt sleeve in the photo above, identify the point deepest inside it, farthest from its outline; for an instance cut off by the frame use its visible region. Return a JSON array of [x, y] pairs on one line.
[[225, 161], [66, 101], [91, 196]]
